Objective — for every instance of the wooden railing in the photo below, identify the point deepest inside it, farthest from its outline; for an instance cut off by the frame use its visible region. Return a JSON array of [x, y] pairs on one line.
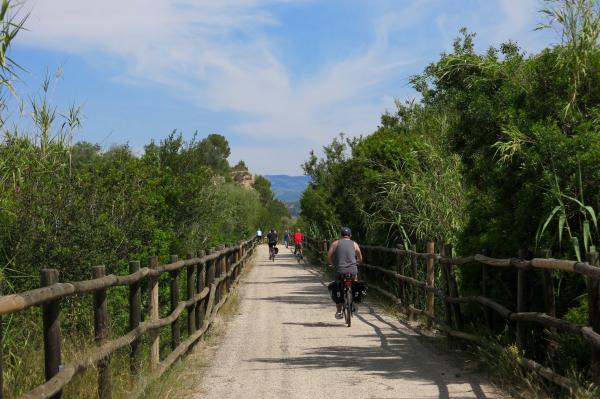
[[209, 278], [395, 269]]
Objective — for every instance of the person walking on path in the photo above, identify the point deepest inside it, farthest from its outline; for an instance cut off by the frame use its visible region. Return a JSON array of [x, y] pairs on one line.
[[344, 256]]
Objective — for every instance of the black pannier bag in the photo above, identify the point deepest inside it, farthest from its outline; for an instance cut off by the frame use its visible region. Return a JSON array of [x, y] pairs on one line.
[[335, 290], [359, 291]]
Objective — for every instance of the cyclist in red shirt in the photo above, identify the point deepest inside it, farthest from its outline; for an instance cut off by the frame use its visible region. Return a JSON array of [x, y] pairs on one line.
[[298, 240]]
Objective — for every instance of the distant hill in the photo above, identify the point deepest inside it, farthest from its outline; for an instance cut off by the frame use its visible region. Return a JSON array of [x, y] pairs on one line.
[[288, 188]]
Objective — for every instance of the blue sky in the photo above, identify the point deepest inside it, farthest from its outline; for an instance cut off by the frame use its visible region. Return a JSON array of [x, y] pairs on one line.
[[276, 77]]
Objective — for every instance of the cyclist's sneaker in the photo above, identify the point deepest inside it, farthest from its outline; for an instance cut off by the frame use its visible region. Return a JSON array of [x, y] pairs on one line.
[[338, 315]]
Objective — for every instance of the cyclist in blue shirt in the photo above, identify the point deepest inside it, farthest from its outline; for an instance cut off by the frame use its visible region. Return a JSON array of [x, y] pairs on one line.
[[286, 238]]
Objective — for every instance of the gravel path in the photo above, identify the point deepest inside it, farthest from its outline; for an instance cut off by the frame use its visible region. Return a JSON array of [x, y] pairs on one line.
[[285, 343]]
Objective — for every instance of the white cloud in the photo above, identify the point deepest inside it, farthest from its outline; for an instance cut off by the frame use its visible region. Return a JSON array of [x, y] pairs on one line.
[[520, 17], [216, 54]]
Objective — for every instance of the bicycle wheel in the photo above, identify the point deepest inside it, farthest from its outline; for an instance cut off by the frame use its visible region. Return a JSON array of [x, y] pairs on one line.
[[348, 307]]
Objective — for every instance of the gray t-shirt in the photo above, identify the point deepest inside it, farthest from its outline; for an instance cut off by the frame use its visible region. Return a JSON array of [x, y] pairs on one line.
[[344, 257]]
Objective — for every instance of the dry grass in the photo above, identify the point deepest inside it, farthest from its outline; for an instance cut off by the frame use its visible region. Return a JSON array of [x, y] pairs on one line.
[[184, 378], [180, 380]]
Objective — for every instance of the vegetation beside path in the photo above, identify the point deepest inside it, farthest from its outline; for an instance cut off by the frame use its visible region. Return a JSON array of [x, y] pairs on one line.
[[71, 205], [498, 154]]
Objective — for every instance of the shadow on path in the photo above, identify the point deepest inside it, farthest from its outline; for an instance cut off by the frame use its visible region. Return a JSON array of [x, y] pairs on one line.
[[393, 354]]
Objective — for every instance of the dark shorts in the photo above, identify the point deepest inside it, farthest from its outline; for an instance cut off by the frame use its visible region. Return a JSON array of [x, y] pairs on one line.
[[272, 244], [340, 276]]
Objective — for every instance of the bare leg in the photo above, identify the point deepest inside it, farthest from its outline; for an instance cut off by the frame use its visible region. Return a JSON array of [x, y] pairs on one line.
[[339, 307]]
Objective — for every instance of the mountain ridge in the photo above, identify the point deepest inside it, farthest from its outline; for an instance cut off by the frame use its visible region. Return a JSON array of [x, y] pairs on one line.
[[288, 188]]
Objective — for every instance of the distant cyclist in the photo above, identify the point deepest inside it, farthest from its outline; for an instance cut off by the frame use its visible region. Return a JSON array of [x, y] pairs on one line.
[[345, 256], [272, 241], [259, 236], [298, 241], [286, 238]]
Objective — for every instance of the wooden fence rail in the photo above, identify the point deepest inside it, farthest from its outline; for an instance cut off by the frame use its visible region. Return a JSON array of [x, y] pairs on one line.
[[209, 278], [379, 270]]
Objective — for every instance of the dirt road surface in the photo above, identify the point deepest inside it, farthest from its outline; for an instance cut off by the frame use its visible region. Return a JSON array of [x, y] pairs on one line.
[[285, 343]]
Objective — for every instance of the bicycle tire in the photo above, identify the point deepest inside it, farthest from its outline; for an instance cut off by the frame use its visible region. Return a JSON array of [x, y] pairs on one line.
[[348, 306]]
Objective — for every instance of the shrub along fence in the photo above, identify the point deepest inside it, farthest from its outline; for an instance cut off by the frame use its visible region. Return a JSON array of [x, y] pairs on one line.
[[395, 273], [209, 278]]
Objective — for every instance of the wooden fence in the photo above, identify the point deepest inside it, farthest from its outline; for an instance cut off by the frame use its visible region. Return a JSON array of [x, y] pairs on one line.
[[383, 266], [209, 278]]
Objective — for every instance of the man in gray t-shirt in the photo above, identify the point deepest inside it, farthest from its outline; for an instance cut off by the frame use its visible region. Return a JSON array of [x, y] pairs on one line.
[[345, 256]]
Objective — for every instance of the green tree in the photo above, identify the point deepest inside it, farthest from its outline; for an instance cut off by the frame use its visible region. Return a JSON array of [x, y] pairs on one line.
[[215, 151]]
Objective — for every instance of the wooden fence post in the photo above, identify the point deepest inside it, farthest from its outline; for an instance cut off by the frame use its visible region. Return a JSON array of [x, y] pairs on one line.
[[521, 290], [453, 287], [135, 317], [50, 310], [175, 329], [200, 284], [548, 287], [100, 335], [242, 254], [228, 266], [222, 272], [216, 267], [153, 314], [223, 261], [415, 290], [392, 284], [210, 275], [191, 311], [430, 278], [593, 286], [401, 283], [487, 312], [446, 283], [234, 263]]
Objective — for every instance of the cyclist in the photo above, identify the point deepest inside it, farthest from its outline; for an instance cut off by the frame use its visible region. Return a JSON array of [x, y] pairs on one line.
[[345, 256], [272, 241], [298, 240], [286, 238], [259, 236]]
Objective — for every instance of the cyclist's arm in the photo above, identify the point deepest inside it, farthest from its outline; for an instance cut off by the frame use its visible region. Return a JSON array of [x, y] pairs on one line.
[[331, 252], [359, 257]]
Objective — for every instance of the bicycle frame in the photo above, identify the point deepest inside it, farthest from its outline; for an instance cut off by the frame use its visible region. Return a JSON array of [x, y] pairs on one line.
[[348, 298]]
